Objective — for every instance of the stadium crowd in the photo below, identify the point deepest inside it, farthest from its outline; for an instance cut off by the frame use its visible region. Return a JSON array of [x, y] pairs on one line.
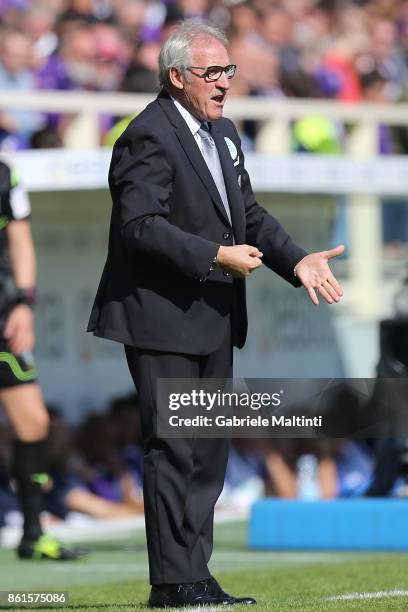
[[342, 49]]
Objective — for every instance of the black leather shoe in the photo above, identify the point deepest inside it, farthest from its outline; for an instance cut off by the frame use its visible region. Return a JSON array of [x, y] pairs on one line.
[[224, 598], [178, 595]]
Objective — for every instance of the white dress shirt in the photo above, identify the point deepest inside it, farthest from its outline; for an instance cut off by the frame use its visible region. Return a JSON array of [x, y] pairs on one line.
[[193, 123], [215, 166]]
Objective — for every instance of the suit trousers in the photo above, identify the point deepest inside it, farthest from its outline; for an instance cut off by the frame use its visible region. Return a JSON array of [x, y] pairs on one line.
[[183, 478]]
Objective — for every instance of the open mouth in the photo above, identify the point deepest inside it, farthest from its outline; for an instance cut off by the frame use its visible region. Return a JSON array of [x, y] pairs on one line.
[[219, 99]]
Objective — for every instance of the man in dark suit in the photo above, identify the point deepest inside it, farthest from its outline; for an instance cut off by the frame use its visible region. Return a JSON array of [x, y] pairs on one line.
[[185, 232]]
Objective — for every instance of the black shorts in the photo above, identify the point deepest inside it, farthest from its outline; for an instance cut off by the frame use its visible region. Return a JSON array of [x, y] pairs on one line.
[[15, 369]]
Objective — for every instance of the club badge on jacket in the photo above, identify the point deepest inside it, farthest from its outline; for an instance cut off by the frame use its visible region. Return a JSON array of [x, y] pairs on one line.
[[234, 154]]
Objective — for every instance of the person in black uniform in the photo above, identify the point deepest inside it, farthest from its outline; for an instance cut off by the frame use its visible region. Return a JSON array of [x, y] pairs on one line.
[[20, 394], [185, 232]]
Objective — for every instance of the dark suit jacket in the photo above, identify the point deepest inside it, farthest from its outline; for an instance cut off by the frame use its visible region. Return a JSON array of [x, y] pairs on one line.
[[167, 224]]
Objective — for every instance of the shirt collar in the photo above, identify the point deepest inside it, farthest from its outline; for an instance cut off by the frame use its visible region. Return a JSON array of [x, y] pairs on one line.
[[193, 123]]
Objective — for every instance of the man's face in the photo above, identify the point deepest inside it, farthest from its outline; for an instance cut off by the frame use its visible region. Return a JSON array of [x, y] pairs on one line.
[[205, 100], [15, 53]]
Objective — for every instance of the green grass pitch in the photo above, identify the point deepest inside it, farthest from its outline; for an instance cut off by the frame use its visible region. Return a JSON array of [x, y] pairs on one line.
[[114, 577]]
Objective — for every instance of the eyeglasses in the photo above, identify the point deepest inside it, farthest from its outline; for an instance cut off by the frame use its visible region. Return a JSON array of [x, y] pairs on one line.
[[213, 73]]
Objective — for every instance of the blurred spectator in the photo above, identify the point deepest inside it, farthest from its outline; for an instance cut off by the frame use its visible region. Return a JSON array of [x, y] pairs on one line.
[[78, 57], [124, 413], [386, 58], [74, 480], [111, 56], [39, 24], [194, 9], [72, 66], [116, 471], [244, 20], [125, 419], [173, 15], [12, 12], [16, 126], [155, 20], [88, 10], [130, 15], [277, 31], [246, 474], [257, 66], [282, 461], [142, 74], [339, 72]]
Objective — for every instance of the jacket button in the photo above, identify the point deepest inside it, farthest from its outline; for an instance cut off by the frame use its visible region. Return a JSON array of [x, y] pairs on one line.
[[226, 235], [225, 273]]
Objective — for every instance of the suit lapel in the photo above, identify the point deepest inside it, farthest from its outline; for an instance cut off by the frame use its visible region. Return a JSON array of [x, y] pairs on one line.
[[192, 151], [194, 154], [231, 184]]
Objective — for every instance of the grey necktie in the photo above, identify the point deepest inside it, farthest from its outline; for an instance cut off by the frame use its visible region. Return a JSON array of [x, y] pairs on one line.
[[212, 160]]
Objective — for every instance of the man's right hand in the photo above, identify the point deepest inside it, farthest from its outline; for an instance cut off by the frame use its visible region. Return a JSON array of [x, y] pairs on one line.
[[240, 260], [19, 329]]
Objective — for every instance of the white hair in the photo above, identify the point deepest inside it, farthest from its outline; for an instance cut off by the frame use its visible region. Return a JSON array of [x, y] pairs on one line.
[[176, 51]]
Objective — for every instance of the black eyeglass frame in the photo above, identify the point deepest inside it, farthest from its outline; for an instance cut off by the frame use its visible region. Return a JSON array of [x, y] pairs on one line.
[[205, 75]]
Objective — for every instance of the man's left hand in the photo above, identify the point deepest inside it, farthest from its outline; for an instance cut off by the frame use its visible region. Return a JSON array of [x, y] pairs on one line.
[[314, 273]]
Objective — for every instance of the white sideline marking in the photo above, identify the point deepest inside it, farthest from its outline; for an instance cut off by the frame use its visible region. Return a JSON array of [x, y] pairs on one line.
[[200, 609], [374, 595]]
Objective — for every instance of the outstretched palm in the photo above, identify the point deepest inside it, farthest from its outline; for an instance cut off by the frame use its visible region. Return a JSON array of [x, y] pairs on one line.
[[314, 273]]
